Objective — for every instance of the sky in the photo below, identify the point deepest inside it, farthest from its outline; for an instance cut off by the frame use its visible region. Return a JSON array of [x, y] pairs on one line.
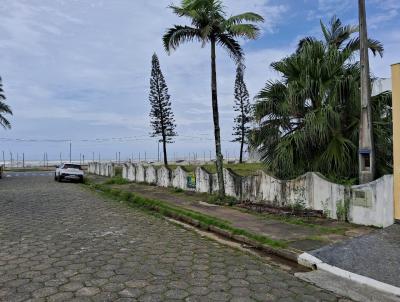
[[79, 71]]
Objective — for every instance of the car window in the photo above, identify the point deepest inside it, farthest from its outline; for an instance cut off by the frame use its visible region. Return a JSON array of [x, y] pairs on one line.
[[72, 166]]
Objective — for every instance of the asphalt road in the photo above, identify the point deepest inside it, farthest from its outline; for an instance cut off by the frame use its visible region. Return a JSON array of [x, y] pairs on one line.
[[61, 242]]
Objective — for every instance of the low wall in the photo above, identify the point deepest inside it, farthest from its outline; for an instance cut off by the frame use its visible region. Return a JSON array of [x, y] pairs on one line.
[[151, 175], [164, 177], [103, 169], [179, 178], [368, 204]]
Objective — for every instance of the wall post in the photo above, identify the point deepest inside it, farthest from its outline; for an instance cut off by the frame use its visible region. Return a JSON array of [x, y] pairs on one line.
[[396, 138]]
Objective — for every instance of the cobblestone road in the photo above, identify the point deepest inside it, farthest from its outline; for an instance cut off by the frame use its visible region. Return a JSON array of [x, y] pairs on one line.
[[60, 242]]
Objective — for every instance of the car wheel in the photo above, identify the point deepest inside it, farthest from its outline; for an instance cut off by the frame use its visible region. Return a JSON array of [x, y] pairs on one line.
[[55, 177], [59, 178]]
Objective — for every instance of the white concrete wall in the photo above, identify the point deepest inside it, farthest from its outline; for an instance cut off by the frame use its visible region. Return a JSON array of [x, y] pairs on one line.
[[203, 181], [140, 173], [125, 170], [233, 184], [179, 178], [380, 211], [164, 177], [131, 172], [151, 175], [314, 191]]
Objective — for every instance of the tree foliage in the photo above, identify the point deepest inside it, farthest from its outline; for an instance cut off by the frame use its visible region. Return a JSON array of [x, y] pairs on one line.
[[4, 109], [210, 24], [162, 118], [309, 120], [241, 126]]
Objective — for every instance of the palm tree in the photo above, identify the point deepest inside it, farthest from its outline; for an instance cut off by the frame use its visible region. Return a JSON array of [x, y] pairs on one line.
[[339, 36], [210, 25], [309, 120], [4, 109]]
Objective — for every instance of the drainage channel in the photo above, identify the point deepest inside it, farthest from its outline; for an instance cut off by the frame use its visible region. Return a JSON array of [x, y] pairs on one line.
[[273, 260]]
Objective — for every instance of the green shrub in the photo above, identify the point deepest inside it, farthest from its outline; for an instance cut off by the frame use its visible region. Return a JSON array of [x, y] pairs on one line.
[[116, 181], [226, 200], [178, 190]]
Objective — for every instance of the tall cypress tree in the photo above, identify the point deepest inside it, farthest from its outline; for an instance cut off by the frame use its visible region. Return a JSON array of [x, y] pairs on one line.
[[4, 108], [242, 106], [161, 116]]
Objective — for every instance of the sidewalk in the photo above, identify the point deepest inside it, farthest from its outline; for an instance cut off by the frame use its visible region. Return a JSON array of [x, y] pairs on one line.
[[299, 234], [376, 255]]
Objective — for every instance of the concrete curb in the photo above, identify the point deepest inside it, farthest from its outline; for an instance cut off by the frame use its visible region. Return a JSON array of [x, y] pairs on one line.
[[310, 261]]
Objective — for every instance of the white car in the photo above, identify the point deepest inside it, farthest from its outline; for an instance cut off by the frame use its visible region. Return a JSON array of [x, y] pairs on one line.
[[69, 172]]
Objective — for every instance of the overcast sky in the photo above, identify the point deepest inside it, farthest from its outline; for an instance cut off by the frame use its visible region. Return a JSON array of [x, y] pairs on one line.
[[79, 70]]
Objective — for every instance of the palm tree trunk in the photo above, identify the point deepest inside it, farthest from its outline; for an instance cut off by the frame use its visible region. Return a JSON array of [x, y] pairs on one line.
[[217, 132]]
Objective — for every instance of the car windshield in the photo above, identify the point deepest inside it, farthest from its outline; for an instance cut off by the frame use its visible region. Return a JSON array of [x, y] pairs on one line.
[[71, 166]]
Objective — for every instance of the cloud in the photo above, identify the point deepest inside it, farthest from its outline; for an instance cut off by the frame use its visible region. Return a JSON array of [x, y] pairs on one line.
[[79, 69]]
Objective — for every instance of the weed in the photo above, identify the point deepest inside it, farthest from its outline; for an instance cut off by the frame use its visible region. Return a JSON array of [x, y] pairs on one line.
[[116, 181], [226, 200]]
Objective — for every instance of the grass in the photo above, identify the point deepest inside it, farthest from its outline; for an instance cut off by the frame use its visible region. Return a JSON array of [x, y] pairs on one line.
[[244, 169], [117, 180], [165, 209], [299, 221], [118, 171]]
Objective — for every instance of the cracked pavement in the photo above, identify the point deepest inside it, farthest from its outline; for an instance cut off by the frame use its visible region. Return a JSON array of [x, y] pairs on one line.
[[61, 242]]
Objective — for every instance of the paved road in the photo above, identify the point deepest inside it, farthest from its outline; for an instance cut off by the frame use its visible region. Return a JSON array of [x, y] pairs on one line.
[[60, 242], [28, 174]]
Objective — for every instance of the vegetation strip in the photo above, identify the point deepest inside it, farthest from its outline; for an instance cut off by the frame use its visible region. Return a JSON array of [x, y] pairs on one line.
[[197, 219]]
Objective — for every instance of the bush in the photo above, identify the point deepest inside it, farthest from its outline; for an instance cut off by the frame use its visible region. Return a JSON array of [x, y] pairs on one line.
[[116, 181], [227, 200]]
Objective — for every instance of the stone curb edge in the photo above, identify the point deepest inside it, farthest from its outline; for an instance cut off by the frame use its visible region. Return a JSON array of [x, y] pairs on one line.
[[288, 254], [313, 262]]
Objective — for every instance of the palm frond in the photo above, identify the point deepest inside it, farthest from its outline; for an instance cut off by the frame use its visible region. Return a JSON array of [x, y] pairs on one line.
[[180, 34], [248, 31], [233, 48], [374, 45], [244, 17]]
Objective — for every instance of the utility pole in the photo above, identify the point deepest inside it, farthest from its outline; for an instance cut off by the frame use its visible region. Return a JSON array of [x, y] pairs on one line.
[[70, 151], [366, 156], [396, 138], [4, 160], [23, 160]]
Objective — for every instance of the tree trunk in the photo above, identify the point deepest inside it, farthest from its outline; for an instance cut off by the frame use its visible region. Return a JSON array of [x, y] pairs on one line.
[[217, 134], [241, 149], [165, 150]]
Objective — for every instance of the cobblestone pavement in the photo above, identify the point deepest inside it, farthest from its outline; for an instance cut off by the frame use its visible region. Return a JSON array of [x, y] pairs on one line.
[[61, 242]]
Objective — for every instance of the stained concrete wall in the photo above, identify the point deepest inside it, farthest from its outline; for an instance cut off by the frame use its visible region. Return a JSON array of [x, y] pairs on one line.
[[103, 169], [369, 204], [377, 211], [203, 181], [164, 177], [151, 175], [140, 173], [179, 178], [131, 172]]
